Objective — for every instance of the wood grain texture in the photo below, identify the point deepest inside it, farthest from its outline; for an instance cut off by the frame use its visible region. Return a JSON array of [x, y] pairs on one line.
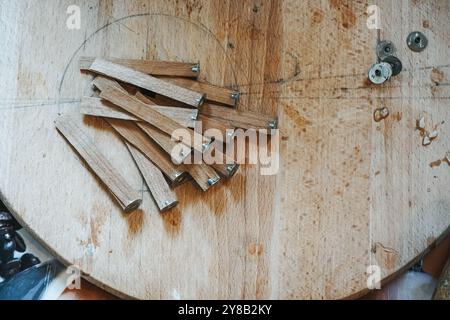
[[162, 68], [164, 197], [128, 198], [131, 133], [214, 128], [240, 119], [177, 151], [212, 93], [101, 108], [147, 82], [204, 176], [141, 110], [347, 186]]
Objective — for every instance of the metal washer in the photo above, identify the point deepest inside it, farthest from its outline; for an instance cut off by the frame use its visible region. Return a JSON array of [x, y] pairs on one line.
[[385, 49], [417, 41], [380, 72]]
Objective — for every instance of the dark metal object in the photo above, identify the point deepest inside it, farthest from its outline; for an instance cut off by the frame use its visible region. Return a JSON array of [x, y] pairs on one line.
[[32, 283], [10, 268], [417, 41], [385, 49], [395, 63], [28, 260]]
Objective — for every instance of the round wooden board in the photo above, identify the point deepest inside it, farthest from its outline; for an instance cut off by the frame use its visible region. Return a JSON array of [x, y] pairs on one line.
[[350, 192]]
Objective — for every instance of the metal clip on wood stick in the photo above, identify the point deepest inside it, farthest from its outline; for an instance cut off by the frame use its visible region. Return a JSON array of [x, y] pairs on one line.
[[128, 198], [142, 111], [147, 82], [98, 107], [130, 132], [162, 68], [164, 197]]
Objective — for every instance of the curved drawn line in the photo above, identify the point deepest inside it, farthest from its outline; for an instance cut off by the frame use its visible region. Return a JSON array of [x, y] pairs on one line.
[[199, 25]]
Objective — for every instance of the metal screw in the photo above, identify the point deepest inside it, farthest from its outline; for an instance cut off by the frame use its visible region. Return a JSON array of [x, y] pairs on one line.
[[231, 167], [200, 101], [235, 95], [380, 72], [212, 181], [417, 41], [196, 68], [273, 124], [385, 49], [167, 203]]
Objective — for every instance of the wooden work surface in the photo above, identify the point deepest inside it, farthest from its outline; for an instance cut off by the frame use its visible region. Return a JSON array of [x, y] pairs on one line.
[[350, 192]]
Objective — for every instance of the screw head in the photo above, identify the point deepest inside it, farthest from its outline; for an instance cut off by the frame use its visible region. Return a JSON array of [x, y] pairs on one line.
[[212, 181], [385, 49], [235, 95], [196, 68], [417, 41], [273, 124], [380, 72]]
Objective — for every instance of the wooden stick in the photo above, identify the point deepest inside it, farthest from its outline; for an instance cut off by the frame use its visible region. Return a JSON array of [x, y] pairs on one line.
[[193, 112], [148, 82], [163, 68], [204, 175], [178, 151], [213, 93], [130, 132], [164, 197], [227, 166], [143, 98], [164, 101], [101, 108], [142, 111], [206, 123], [128, 198], [103, 83], [240, 119]]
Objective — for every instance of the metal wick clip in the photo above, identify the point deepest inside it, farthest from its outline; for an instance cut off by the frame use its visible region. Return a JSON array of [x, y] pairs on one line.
[[388, 64]]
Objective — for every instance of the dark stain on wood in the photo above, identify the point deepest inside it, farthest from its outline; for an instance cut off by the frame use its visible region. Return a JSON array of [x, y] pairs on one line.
[[172, 222], [135, 221], [296, 117], [437, 76], [348, 17], [255, 249], [317, 17], [436, 163]]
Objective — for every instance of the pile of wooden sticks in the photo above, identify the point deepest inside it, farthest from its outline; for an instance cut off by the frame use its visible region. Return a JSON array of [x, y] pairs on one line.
[[146, 102]]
